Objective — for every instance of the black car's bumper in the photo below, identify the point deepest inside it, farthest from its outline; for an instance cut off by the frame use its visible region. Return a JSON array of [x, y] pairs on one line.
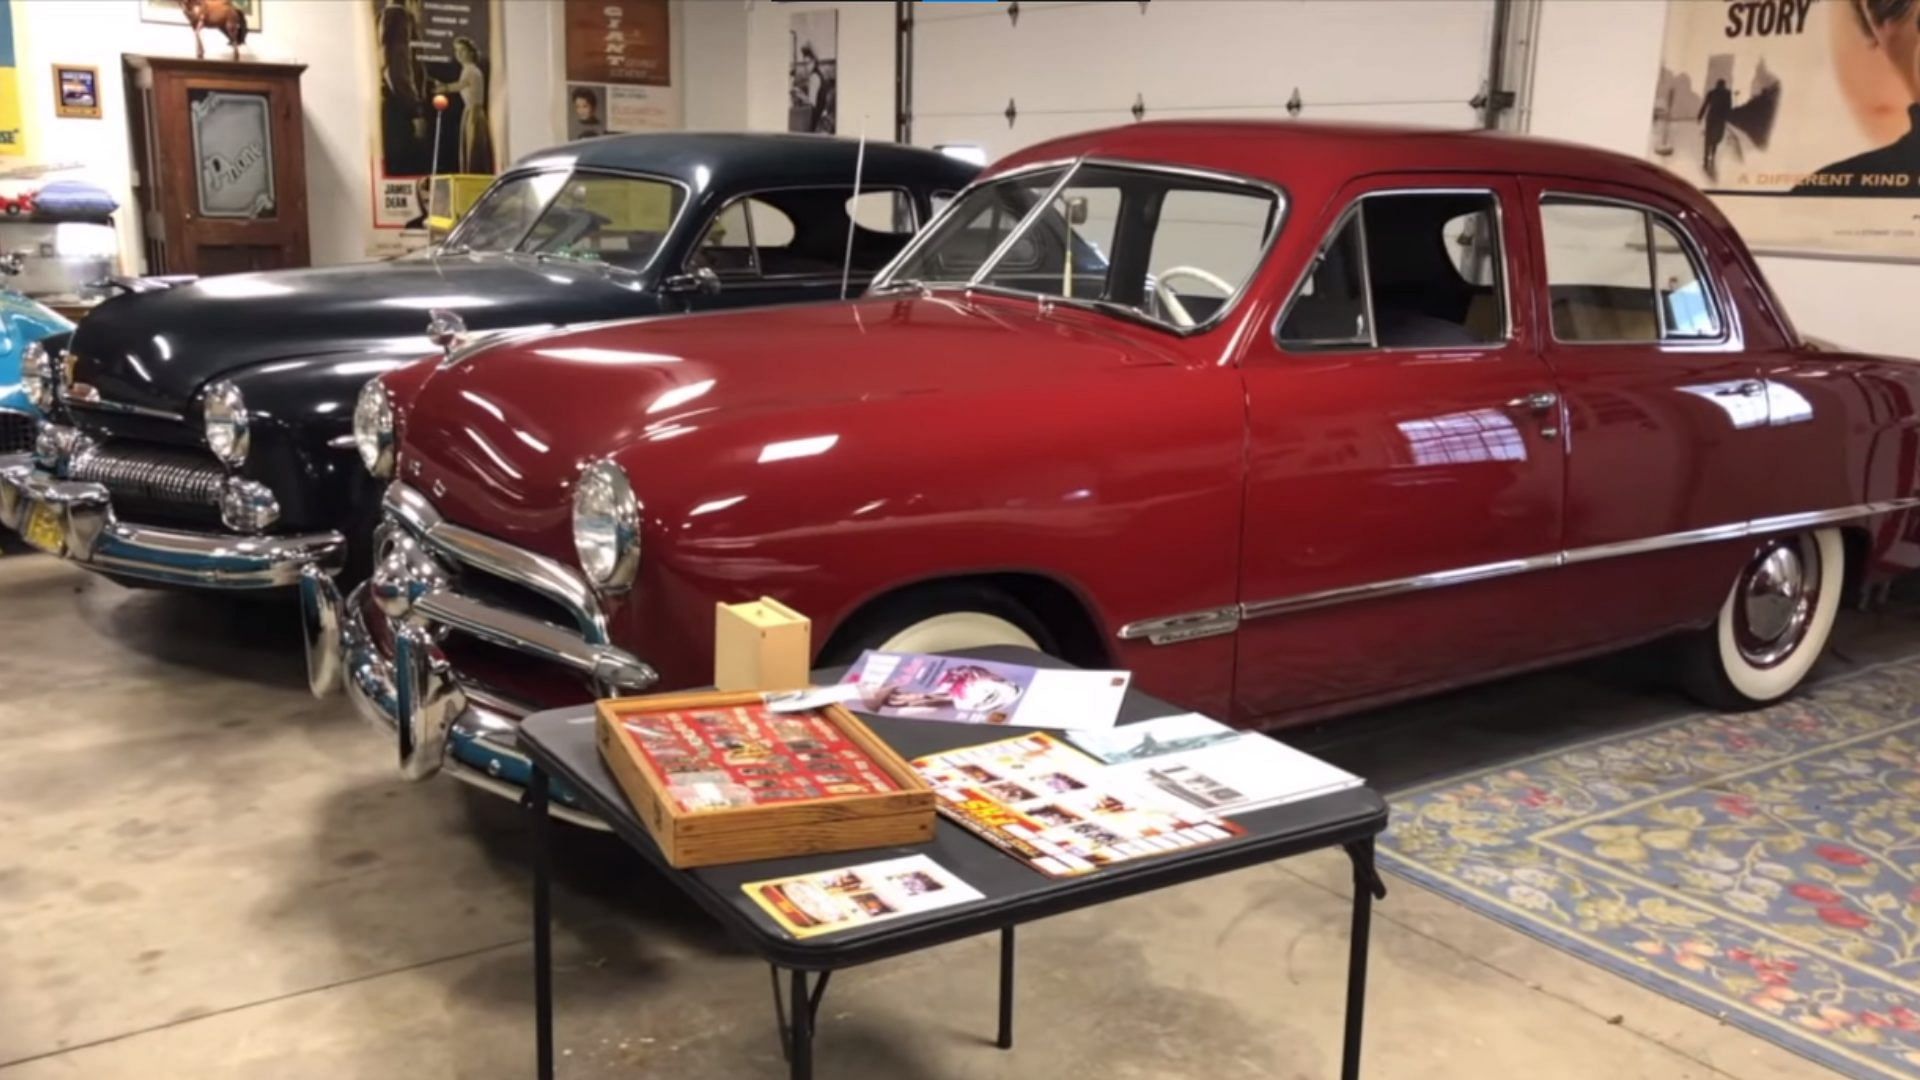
[[75, 520]]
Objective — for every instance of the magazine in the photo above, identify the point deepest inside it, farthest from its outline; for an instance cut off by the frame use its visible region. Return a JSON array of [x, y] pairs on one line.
[[962, 690], [830, 900], [1061, 811], [1219, 771]]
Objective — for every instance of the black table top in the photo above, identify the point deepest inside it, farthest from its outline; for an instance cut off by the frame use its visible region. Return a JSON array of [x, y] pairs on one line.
[[562, 742]]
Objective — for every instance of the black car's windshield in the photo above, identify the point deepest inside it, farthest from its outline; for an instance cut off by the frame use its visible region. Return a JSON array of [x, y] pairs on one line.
[[1175, 248], [620, 221]]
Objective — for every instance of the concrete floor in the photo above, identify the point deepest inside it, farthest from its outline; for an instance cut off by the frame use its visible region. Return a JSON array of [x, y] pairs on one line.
[[205, 873]]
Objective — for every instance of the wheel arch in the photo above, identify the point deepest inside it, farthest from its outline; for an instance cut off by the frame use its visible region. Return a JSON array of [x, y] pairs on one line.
[[1060, 607]]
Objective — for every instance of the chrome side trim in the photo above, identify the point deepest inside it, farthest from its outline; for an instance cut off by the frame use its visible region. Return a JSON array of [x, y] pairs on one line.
[[1173, 629], [545, 576], [1375, 590], [1177, 628]]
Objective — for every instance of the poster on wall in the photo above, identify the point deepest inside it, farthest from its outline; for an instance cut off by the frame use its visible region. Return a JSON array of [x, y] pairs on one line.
[[13, 141], [813, 71], [619, 68], [425, 49], [1800, 117]]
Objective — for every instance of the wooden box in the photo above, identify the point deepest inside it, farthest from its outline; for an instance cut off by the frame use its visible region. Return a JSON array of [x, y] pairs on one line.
[[702, 733], [763, 645]]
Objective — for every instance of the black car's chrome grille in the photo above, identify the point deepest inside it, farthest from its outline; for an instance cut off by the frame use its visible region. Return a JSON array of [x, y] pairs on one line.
[[162, 475], [16, 432]]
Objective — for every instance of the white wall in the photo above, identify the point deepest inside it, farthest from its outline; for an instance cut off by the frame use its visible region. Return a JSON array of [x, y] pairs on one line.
[[1597, 62], [865, 65], [322, 33], [332, 37], [711, 63]]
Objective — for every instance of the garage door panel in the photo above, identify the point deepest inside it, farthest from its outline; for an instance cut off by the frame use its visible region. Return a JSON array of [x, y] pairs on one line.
[[1069, 67], [994, 136]]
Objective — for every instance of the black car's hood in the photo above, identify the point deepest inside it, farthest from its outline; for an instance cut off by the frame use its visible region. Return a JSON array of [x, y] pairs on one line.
[[157, 349]]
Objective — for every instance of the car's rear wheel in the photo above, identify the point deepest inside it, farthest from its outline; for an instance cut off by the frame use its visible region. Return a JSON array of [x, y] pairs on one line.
[[1773, 625], [940, 618]]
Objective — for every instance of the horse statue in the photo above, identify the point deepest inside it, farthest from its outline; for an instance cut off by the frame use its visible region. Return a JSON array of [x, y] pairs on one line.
[[223, 15]]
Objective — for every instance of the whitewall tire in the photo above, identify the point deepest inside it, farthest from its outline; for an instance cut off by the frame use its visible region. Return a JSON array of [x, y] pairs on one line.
[[957, 630], [940, 617], [1774, 623]]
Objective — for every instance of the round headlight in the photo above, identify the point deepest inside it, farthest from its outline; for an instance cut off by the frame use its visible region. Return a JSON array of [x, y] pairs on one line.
[[606, 526], [36, 376], [225, 416], [373, 429]]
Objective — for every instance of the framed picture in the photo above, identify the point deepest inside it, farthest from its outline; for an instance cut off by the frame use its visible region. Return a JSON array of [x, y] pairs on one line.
[[170, 12], [76, 91]]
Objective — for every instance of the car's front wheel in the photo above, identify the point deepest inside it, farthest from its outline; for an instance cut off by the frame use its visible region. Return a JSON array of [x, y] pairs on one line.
[[940, 618], [1773, 625]]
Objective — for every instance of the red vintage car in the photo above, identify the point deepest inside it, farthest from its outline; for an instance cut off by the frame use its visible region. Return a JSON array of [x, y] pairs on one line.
[[1288, 419]]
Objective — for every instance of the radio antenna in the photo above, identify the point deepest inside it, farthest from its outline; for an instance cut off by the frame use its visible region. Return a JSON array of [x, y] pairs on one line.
[[859, 167]]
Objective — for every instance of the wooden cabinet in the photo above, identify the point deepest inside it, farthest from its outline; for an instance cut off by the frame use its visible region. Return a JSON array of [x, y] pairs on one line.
[[220, 164]]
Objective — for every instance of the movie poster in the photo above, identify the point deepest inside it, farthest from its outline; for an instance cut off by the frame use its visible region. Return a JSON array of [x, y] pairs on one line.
[[619, 68], [813, 71], [1800, 118], [423, 50]]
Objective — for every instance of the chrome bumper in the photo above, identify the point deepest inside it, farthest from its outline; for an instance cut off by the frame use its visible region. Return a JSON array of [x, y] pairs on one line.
[[440, 719], [92, 536]]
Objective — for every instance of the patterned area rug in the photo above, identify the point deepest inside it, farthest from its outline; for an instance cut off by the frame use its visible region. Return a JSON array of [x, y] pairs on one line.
[[1761, 867]]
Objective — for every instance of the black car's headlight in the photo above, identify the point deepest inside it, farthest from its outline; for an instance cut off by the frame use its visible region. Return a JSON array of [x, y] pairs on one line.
[[373, 429], [36, 376], [225, 414], [606, 526]]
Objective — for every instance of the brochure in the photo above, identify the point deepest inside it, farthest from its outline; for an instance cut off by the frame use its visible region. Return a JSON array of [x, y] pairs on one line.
[[1151, 738], [1212, 767], [962, 690], [821, 903], [1064, 813]]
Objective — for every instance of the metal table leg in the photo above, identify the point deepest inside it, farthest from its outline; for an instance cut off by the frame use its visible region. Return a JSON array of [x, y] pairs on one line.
[[1005, 1041], [800, 1055], [537, 795], [1367, 887]]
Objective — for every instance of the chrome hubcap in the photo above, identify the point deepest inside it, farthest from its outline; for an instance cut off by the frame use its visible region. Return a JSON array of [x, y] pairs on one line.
[[1776, 597]]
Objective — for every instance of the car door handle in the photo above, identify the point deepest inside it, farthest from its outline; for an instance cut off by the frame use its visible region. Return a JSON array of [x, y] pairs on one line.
[[1538, 401], [1749, 388]]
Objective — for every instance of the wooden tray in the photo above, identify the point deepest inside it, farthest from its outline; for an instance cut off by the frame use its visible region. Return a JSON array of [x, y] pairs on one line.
[[709, 837]]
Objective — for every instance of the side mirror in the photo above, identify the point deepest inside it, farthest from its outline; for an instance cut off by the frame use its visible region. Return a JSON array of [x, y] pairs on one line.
[[701, 280]]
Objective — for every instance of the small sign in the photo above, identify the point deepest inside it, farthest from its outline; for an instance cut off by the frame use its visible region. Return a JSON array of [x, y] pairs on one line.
[[76, 91]]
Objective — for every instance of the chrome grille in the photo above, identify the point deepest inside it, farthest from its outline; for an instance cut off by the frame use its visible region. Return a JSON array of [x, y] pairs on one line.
[[163, 475], [16, 432]]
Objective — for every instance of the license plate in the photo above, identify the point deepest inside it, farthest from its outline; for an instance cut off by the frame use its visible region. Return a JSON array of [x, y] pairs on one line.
[[43, 529]]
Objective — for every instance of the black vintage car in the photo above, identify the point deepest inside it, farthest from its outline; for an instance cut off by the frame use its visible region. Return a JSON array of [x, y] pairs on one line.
[[200, 433]]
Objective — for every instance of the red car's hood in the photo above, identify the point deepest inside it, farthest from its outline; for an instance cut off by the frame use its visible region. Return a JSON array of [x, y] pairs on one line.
[[497, 439]]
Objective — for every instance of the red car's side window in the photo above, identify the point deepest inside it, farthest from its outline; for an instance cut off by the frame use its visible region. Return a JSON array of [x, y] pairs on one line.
[[1406, 270], [1622, 273]]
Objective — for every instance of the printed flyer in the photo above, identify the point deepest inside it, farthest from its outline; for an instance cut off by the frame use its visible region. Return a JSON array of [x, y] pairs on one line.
[[920, 686], [1042, 801], [813, 904]]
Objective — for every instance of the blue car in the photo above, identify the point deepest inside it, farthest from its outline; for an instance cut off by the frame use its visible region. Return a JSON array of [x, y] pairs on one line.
[[23, 322]]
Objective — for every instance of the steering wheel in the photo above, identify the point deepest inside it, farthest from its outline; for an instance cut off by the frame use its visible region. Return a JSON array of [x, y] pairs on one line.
[[1171, 303]]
